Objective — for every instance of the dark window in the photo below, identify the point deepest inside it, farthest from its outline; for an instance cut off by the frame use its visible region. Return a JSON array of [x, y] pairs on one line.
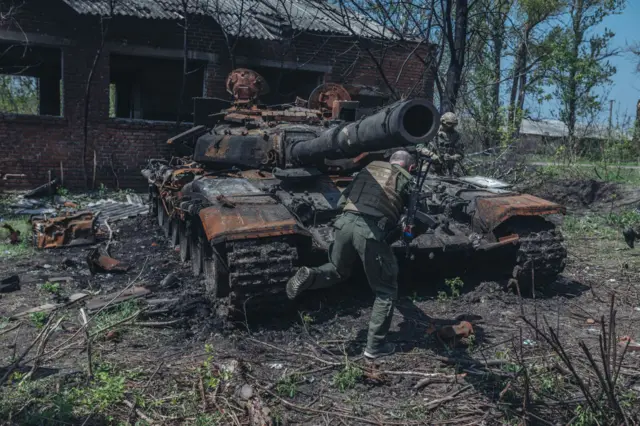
[[30, 80], [285, 84], [149, 88]]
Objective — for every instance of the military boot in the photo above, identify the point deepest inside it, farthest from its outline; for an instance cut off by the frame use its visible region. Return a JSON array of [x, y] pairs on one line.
[[630, 236], [384, 350], [302, 280]]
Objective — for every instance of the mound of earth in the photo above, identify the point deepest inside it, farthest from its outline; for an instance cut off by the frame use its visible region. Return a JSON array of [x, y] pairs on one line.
[[588, 194]]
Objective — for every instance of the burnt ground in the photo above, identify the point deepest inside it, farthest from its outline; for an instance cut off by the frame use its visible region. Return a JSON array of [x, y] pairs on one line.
[[166, 359]]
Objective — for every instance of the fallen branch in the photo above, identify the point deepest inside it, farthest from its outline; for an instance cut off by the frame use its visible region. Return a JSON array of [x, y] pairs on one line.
[[138, 412], [15, 364], [88, 340], [294, 353], [81, 329], [9, 330], [432, 405], [129, 318]]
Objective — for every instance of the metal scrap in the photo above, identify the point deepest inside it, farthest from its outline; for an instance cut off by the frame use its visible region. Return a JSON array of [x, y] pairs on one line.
[[66, 231], [101, 263]]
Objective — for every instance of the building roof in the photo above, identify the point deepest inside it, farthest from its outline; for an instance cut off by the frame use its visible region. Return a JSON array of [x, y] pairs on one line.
[[259, 19], [557, 129]]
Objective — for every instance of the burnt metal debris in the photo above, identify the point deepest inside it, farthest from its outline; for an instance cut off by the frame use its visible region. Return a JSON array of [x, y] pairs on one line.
[[66, 231], [258, 194]]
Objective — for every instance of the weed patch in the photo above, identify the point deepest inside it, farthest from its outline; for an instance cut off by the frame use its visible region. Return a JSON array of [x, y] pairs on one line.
[[347, 377], [24, 247]]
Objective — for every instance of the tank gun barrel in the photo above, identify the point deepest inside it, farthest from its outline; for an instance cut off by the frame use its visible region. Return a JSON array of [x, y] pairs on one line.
[[403, 123]]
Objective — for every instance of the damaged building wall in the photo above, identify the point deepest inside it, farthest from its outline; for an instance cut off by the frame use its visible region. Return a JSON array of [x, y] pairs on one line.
[[36, 144]]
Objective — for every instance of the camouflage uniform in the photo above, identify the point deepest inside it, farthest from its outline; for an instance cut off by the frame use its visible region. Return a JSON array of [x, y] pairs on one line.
[[447, 149], [373, 203]]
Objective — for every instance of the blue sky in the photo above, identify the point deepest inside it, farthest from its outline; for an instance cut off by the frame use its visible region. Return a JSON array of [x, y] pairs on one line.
[[625, 90]]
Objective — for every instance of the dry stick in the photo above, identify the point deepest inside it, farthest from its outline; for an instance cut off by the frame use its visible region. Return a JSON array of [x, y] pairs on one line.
[[563, 356], [329, 413], [15, 364], [42, 345], [144, 388], [88, 340], [129, 318], [294, 353], [9, 330], [138, 412], [202, 394], [99, 311], [432, 405], [61, 174]]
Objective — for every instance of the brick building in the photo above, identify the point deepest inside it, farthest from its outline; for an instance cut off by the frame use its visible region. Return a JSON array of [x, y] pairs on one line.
[[135, 91]]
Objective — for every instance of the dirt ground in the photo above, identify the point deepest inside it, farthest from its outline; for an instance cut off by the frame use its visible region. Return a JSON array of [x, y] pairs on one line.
[[166, 359]]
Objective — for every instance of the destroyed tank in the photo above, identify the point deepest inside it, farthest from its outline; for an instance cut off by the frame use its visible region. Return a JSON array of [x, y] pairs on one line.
[[259, 193]]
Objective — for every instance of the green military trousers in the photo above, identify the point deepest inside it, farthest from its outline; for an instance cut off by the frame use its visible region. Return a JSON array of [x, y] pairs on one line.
[[356, 237]]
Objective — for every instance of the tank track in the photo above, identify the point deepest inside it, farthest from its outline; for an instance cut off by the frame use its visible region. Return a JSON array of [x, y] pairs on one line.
[[542, 250], [259, 271]]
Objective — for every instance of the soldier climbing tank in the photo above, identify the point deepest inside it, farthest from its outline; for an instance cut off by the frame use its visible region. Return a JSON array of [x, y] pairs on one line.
[[258, 194]]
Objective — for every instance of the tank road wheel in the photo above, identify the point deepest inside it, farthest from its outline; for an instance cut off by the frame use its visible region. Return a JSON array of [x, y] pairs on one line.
[[540, 256], [183, 238], [215, 275], [175, 232], [196, 248]]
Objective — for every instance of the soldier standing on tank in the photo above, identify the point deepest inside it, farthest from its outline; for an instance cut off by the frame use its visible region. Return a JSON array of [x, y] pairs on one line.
[[446, 150], [372, 205]]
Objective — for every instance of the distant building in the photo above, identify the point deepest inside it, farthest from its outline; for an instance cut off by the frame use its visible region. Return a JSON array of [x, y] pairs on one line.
[[47, 51]]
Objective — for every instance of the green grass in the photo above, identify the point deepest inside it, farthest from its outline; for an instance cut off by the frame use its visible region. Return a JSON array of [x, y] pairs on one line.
[[605, 225], [347, 377], [109, 317], [24, 247], [53, 288], [610, 173]]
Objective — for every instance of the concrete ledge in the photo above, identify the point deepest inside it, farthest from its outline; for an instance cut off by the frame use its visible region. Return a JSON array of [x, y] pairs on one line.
[[33, 38], [160, 52], [290, 65]]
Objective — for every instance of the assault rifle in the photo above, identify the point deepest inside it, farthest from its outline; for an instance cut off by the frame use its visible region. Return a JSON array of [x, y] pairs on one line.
[[414, 202]]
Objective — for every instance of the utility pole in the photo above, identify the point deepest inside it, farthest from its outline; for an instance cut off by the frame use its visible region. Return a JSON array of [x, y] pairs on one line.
[[610, 115]]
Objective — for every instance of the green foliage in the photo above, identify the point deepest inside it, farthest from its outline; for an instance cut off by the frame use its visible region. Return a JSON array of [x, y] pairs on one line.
[[347, 377], [288, 385], [106, 389], [24, 247], [606, 225], [62, 191], [53, 288], [578, 59], [38, 319], [19, 94], [105, 319], [454, 285]]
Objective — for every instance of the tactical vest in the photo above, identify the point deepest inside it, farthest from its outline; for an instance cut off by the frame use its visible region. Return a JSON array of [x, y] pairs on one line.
[[373, 191]]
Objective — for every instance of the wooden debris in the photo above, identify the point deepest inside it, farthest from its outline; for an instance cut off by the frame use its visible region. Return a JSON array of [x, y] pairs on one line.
[[132, 293], [49, 307]]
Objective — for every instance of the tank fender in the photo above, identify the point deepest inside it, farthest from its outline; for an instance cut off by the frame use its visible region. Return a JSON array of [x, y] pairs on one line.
[[248, 221], [490, 212]]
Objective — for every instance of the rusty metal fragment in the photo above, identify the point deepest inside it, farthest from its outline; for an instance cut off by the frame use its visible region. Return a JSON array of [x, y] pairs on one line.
[[65, 231], [101, 263], [461, 330]]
